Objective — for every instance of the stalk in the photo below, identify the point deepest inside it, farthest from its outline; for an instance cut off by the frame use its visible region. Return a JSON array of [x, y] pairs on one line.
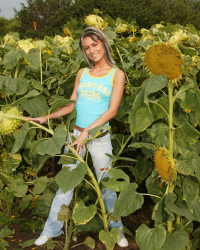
[[170, 120], [98, 191], [40, 63]]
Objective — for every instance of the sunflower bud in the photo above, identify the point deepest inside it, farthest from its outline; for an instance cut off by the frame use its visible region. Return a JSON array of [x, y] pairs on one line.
[[8, 125], [95, 21], [122, 27]]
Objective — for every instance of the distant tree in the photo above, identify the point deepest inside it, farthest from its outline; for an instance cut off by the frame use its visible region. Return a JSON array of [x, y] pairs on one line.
[[52, 15]]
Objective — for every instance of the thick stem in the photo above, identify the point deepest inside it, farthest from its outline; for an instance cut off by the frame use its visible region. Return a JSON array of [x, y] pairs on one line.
[[40, 63], [68, 234], [170, 92], [170, 120], [98, 191]]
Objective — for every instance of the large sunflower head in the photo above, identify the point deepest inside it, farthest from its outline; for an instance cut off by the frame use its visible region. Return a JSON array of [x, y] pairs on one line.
[[165, 164], [164, 60]]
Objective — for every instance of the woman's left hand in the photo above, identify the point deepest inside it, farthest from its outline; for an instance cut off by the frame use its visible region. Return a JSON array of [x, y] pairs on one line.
[[79, 140]]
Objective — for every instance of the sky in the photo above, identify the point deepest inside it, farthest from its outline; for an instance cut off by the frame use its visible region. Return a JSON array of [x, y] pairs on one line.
[[7, 7]]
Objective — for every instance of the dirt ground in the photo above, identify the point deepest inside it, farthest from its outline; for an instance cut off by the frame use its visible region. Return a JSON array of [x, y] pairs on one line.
[[132, 222]]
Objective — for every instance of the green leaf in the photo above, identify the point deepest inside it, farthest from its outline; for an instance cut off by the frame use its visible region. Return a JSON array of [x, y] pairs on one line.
[[150, 239], [109, 238], [90, 242], [83, 214], [44, 204], [176, 241], [190, 190], [109, 33], [31, 94], [68, 180], [68, 158], [112, 183], [144, 167], [53, 145], [191, 101], [59, 103], [95, 132], [34, 58], [139, 119], [181, 209], [11, 59], [129, 201], [94, 225], [116, 158], [36, 106], [155, 84], [5, 232], [156, 129], [187, 132], [196, 239], [21, 134], [18, 188], [27, 243], [196, 208], [21, 85], [142, 145], [40, 184], [25, 202]]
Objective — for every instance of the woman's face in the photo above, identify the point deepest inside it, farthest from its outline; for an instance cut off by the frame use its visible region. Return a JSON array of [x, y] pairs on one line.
[[94, 49]]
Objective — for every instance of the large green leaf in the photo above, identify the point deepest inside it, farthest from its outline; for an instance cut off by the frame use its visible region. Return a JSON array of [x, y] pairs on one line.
[[40, 184], [31, 94], [142, 145], [109, 238], [18, 188], [176, 241], [191, 101], [5, 232], [68, 180], [21, 85], [11, 59], [129, 201], [140, 119], [35, 106], [156, 129], [33, 58], [25, 202], [44, 204], [53, 145], [155, 84], [59, 103], [144, 167], [94, 225], [21, 134], [181, 209], [151, 239], [112, 183], [196, 208], [187, 132], [83, 214], [190, 190]]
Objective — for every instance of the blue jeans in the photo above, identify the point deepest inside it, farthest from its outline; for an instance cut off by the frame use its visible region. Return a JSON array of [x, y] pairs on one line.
[[97, 148]]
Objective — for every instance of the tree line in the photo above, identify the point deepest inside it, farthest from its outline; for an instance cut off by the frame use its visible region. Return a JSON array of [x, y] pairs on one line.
[[52, 15]]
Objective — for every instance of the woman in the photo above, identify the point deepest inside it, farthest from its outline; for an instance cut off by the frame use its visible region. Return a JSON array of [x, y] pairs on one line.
[[97, 94]]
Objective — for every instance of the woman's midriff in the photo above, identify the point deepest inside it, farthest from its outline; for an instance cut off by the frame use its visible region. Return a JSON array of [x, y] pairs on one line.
[[79, 128]]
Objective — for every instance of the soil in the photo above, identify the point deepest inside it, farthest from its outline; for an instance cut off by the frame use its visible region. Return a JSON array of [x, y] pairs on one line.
[[132, 222]]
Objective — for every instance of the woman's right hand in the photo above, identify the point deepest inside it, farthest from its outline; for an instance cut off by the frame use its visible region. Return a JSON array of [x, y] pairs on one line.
[[40, 120]]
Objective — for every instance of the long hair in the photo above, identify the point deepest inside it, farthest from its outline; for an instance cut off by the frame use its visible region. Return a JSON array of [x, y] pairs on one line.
[[93, 32]]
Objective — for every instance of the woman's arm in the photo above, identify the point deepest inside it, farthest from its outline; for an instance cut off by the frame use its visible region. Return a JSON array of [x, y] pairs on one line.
[[65, 109], [117, 92]]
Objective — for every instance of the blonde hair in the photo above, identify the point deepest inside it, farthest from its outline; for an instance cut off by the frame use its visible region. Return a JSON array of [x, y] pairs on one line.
[[92, 32]]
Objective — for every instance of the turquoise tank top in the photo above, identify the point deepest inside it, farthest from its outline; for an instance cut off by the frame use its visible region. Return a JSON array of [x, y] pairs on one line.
[[94, 95]]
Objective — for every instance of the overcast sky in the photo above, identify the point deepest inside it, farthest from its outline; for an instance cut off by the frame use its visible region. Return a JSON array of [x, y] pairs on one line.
[[7, 7]]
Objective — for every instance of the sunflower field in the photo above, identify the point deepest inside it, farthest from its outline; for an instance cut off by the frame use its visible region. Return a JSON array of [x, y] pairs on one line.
[[155, 134]]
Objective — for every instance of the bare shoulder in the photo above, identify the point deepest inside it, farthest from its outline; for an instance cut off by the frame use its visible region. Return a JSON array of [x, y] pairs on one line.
[[119, 77], [80, 72]]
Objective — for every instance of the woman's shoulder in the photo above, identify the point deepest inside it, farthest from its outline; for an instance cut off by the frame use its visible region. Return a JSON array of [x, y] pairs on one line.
[[119, 74]]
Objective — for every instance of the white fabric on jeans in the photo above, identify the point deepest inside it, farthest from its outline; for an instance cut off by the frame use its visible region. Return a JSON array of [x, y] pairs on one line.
[[97, 148]]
